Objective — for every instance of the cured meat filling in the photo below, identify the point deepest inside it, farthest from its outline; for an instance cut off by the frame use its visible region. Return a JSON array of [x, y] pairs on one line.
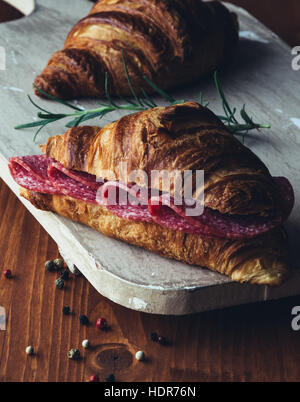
[[44, 175]]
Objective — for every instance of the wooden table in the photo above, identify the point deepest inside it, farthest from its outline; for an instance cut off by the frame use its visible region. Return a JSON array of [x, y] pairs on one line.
[[247, 343]]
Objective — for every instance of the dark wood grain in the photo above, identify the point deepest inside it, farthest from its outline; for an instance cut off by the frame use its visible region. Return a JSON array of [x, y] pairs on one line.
[[8, 13], [247, 343]]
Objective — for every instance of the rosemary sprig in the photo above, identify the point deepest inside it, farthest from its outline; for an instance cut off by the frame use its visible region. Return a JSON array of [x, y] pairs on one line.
[[229, 119], [138, 103]]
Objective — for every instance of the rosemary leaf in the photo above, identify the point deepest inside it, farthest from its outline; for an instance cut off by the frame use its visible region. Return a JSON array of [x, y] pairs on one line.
[[148, 101], [49, 115], [159, 90], [74, 123], [245, 116], [56, 99], [225, 103], [38, 131], [108, 97], [129, 81], [128, 101], [37, 106], [33, 124]]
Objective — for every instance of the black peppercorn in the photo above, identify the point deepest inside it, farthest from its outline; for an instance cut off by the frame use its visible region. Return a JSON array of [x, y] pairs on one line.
[[110, 378], [66, 310], [49, 265], [59, 263], [154, 337], [84, 320], [162, 340], [74, 354], [60, 283], [65, 275]]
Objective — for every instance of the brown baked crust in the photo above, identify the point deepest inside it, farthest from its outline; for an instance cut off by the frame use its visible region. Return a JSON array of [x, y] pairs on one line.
[[180, 137], [261, 260], [171, 41]]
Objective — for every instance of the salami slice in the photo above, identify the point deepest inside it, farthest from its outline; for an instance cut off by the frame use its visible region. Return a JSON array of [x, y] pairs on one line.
[[287, 196], [84, 178], [69, 185], [163, 211], [211, 223], [31, 172], [45, 175], [126, 202]]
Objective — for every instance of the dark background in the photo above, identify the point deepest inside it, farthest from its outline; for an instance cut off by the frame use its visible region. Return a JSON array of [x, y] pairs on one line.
[[282, 16]]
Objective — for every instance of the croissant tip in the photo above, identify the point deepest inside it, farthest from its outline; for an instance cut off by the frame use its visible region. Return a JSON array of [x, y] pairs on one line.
[[39, 83], [53, 85], [262, 271]]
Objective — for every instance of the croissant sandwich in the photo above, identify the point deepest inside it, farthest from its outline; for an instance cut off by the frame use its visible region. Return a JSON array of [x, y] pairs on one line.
[[172, 42], [239, 230]]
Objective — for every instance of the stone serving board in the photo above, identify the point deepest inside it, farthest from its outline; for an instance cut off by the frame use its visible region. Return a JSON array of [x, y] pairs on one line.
[[261, 76]]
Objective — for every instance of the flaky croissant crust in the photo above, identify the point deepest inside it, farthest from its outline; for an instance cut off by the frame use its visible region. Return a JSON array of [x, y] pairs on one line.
[[180, 137], [262, 260], [171, 41]]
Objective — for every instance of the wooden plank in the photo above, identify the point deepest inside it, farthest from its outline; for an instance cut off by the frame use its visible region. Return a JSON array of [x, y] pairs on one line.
[[8, 13], [130, 276]]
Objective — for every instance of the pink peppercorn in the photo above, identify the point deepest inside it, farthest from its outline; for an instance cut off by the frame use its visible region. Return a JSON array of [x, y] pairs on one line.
[[7, 273], [94, 378], [101, 323]]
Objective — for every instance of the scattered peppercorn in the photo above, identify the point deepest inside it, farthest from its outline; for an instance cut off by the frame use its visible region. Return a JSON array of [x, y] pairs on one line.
[[65, 275], [101, 323], [66, 310], [7, 273], [29, 350], [140, 355], [154, 337], [94, 378], [74, 354], [86, 343], [60, 283], [162, 340], [59, 263], [49, 265], [84, 320], [110, 378]]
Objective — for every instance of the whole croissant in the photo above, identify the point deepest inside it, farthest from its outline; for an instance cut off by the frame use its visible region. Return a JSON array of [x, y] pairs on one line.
[[244, 239], [172, 42]]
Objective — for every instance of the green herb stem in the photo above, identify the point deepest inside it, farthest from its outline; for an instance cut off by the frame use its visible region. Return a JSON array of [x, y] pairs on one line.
[[139, 103]]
